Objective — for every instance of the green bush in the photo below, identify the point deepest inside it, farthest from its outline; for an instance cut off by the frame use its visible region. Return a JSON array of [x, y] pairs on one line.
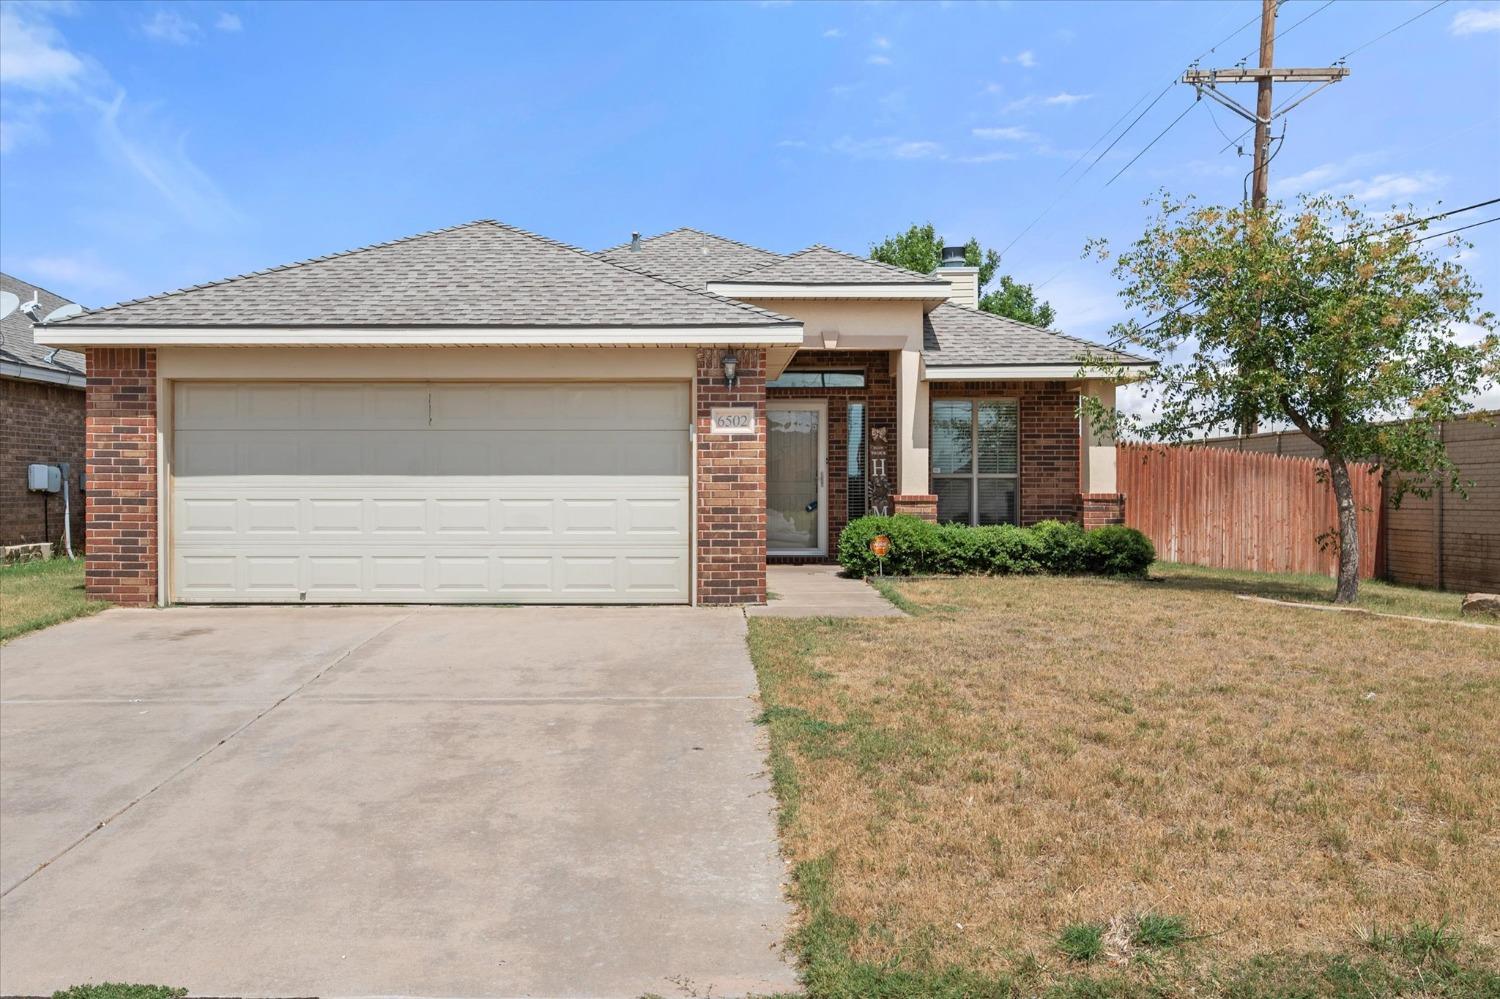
[[920, 548]]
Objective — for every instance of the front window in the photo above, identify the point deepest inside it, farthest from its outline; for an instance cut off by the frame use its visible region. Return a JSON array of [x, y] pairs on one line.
[[975, 460], [818, 379]]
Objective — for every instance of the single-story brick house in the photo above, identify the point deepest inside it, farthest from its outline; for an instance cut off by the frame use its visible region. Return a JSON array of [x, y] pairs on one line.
[[482, 414], [41, 413]]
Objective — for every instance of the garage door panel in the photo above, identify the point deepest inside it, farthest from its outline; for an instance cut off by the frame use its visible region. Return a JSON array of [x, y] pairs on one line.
[[335, 492]]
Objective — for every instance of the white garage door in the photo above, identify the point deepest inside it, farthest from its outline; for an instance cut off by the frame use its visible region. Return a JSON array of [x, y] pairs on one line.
[[432, 493]]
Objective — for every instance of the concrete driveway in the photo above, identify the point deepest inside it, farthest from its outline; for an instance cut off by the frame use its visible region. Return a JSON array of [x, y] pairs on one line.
[[388, 801]]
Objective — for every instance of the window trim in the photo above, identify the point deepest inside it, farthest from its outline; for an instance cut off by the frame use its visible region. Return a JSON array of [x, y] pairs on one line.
[[974, 475]]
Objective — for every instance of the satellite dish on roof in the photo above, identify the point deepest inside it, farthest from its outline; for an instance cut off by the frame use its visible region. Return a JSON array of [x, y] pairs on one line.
[[9, 302], [64, 312]]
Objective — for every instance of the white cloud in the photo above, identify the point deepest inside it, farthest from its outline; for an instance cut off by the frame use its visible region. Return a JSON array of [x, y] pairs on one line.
[[1025, 57], [792, 144], [880, 42], [227, 21], [1061, 99], [993, 157], [1011, 133], [889, 148], [78, 272], [834, 33], [1065, 99], [33, 54], [879, 60], [1393, 185], [919, 150], [161, 160], [1475, 21], [170, 26]]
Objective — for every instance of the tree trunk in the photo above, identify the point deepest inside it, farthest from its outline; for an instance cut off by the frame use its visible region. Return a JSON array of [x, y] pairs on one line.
[[1343, 494]]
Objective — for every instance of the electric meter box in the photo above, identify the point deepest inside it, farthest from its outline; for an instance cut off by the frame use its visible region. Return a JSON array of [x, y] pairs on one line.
[[44, 478]]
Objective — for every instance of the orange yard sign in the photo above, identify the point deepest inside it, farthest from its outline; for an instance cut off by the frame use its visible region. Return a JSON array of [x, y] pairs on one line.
[[880, 545]]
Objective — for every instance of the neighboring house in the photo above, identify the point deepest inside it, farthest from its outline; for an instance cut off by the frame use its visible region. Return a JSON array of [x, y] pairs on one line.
[[483, 414], [41, 411]]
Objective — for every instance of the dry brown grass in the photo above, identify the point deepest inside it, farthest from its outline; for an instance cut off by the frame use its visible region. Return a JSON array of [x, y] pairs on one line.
[[1031, 752]]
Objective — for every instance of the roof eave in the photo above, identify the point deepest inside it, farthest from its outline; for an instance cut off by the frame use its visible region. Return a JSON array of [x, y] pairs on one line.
[[1027, 372], [83, 335], [35, 373]]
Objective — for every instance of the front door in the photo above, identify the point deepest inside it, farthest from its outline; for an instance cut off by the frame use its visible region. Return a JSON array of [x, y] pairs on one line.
[[797, 478]]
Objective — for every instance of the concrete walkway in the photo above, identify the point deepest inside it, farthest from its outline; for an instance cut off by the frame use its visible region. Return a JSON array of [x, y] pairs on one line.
[[819, 591], [477, 802]]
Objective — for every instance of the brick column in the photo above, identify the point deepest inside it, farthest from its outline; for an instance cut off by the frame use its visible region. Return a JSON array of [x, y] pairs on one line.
[[731, 471], [1102, 509], [120, 417], [923, 505]]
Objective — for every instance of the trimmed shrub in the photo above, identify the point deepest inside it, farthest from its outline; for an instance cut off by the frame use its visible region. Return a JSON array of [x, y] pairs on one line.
[[921, 548], [911, 540], [1118, 551]]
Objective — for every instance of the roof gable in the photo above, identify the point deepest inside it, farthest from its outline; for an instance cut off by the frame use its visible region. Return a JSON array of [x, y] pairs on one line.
[[955, 336], [481, 274], [688, 256], [822, 265]]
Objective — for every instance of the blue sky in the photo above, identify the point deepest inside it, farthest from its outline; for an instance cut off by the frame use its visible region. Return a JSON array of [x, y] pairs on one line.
[[149, 146]]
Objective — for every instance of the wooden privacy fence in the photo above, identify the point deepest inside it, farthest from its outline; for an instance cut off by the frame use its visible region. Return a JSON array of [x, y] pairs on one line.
[[1235, 510]]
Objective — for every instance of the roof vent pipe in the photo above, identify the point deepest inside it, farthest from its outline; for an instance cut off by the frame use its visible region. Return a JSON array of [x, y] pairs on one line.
[[953, 256], [635, 241]]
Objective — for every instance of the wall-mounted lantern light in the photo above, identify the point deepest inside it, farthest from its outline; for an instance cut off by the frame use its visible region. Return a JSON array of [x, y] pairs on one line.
[[731, 364]]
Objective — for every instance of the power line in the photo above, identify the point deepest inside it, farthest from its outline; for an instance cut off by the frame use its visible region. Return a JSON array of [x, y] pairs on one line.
[[1378, 232], [1153, 142], [1360, 48], [1391, 31], [1471, 225], [1288, 30], [1154, 101]]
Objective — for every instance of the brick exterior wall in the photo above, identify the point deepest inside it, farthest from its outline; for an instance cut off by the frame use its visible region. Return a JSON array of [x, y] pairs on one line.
[[921, 505], [43, 425], [879, 398], [1102, 509], [1050, 443], [121, 503], [731, 471]]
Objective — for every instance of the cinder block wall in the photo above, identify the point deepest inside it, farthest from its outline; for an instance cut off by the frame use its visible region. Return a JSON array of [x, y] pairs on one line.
[[122, 475], [43, 424], [731, 481]]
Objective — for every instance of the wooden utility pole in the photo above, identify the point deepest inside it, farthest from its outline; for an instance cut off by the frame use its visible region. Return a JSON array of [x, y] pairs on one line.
[[1260, 185], [1264, 76]]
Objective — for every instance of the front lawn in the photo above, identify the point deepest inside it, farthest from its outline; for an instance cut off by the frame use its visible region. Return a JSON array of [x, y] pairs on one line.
[[40, 594], [1374, 595], [1121, 788]]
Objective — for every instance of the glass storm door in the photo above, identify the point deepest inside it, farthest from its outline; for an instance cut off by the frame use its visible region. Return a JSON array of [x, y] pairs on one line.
[[797, 481]]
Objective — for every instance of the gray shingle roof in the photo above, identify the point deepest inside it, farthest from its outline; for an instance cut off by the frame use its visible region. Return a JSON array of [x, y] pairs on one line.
[[479, 274], [953, 336], [16, 343], [823, 265], [689, 257]]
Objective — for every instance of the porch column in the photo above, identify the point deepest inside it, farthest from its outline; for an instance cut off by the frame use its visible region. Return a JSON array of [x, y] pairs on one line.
[[914, 493], [1100, 499]]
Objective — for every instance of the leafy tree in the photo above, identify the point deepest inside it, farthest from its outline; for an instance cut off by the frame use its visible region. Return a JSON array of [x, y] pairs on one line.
[[1019, 302], [919, 249], [1335, 321]]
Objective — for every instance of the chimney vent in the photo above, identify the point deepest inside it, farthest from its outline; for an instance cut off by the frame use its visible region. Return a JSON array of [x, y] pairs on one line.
[[635, 241], [953, 256]]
